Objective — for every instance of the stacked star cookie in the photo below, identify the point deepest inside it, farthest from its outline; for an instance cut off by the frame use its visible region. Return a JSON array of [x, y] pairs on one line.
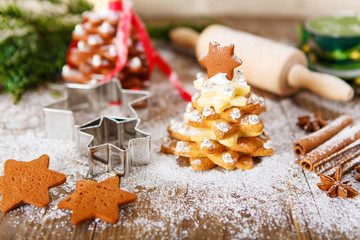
[[95, 53], [221, 126]]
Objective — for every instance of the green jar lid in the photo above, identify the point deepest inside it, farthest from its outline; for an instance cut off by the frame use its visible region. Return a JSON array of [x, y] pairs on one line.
[[335, 34], [337, 25]]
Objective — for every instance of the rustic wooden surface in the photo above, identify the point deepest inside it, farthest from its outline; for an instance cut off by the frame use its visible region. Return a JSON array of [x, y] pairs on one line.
[[15, 226]]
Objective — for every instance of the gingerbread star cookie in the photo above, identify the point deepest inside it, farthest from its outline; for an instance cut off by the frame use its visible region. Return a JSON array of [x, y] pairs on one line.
[[220, 59], [96, 200], [27, 182]]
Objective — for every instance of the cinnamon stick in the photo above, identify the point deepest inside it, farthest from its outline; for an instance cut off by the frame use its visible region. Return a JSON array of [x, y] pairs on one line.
[[313, 140], [343, 157], [346, 165], [336, 143]]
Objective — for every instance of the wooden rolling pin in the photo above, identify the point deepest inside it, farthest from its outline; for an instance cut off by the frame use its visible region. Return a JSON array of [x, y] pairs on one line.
[[268, 65]]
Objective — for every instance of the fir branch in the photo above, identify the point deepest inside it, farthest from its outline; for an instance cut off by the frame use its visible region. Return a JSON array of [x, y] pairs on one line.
[[33, 46]]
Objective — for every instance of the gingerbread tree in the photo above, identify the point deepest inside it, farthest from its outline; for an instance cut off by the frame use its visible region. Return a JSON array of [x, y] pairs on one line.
[[221, 126], [94, 52]]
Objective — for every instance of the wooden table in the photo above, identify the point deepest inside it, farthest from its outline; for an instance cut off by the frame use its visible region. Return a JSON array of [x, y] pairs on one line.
[[275, 200]]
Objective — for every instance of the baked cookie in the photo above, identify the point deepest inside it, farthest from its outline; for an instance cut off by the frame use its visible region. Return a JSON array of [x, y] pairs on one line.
[[97, 200], [95, 55], [27, 182]]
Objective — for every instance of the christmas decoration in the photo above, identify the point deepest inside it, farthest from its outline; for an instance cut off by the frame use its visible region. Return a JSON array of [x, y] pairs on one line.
[[221, 127], [114, 43]]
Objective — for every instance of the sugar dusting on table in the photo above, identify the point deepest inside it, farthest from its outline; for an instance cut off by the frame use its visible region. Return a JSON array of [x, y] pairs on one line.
[[246, 203]]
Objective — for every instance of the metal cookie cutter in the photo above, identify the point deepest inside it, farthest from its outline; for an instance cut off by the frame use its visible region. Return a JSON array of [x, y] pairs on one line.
[[113, 141]]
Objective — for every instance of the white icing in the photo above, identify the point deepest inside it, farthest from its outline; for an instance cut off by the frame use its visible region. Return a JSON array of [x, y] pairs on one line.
[[66, 70], [103, 12], [135, 62], [188, 107], [239, 71], [206, 143], [200, 77], [267, 144], [178, 125], [94, 17], [253, 119], [261, 101], [238, 76], [206, 86], [195, 116], [139, 47], [96, 60], [227, 158], [253, 99], [81, 46], [223, 126], [218, 45], [93, 81], [95, 39], [220, 93], [219, 79], [196, 95], [229, 90], [242, 81], [79, 30], [112, 51], [166, 142], [106, 27], [263, 135], [113, 16], [182, 147], [235, 114], [207, 111], [236, 58]]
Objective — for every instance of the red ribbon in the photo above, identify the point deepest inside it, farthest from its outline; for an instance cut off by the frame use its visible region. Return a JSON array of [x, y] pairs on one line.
[[145, 39], [115, 5], [122, 36], [73, 44], [153, 57]]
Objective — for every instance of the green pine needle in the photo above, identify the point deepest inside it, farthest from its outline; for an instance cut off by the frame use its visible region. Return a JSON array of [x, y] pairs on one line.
[[33, 46]]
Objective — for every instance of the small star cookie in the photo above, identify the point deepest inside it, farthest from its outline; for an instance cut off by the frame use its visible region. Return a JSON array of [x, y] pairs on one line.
[[27, 182], [96, 200], [220, 59]]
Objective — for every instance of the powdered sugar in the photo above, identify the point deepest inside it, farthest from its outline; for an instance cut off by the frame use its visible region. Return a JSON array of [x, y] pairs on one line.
[[196, 162], [236, 204]]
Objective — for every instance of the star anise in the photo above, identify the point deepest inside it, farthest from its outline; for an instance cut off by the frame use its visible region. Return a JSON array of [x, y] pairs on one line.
[[312, 123], [334, 187]]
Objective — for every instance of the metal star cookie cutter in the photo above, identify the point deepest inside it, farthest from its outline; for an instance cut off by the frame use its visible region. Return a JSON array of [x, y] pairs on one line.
[[115, 142], [128, 147]]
